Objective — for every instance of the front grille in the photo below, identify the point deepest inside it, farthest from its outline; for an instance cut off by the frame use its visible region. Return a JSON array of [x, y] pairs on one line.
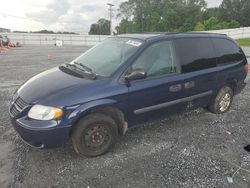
[[18, 106]]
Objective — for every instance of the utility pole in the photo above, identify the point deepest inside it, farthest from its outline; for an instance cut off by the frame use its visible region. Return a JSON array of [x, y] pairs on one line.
[[111, 10]]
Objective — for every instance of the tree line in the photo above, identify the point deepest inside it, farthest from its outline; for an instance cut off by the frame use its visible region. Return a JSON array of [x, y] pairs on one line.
[[139, 16], [102, 27], [46, 32]]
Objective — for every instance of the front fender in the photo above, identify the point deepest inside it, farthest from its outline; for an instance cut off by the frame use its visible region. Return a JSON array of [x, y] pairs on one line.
[[86, 107]]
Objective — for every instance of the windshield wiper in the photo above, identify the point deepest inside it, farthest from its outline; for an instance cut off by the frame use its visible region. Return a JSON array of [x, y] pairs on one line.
[[72, 68], [83, 68], [87, 69]]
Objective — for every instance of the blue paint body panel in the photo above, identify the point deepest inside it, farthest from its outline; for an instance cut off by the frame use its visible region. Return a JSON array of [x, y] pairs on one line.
[[76, 96]]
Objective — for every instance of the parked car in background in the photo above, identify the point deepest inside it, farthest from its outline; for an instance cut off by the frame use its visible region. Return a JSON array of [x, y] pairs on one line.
[[5, 40], [125, 81]]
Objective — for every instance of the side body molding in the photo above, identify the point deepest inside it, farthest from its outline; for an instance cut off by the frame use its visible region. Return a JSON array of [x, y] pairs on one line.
[[167, 104]]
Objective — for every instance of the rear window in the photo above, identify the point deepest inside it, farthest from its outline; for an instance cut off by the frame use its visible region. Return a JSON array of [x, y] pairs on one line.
[[227, 51], [195, 54]]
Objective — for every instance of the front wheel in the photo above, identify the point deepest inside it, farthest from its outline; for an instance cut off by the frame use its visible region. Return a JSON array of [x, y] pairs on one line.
[[94, 135], [222, 101]]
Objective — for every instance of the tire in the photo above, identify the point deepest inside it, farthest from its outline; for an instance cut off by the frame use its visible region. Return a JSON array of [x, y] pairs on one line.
[[223, 101], [94, 135]]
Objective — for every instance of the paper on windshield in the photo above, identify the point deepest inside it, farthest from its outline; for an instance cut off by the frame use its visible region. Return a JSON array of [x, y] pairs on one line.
[[134, 43]]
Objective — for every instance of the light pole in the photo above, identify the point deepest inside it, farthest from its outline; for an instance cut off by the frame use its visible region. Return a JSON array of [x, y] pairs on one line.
[[110, 15]]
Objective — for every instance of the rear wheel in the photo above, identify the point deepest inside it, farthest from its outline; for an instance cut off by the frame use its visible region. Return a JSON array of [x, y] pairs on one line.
[[222, 101], [94, 135]]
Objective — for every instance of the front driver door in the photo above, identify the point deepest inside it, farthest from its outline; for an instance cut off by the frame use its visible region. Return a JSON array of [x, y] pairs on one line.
[[161, 93]]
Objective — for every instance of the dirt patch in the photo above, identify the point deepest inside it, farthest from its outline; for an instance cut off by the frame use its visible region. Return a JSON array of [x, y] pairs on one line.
[[6, 163]]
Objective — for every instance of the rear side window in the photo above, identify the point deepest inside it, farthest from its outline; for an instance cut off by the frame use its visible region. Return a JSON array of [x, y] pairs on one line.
[[227, 51], [195, 54]]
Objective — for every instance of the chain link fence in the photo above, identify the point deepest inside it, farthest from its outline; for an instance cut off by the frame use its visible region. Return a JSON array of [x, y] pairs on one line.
[[50, 39], [243, 32], [90, 40]]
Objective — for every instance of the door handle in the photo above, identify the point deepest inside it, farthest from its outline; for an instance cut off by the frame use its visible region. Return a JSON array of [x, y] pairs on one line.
[[189, 85], [175, 88]]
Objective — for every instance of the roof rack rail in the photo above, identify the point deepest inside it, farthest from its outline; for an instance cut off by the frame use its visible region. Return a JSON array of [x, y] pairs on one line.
[[170, 33], [206, 32], [163, 33], [189, 32]]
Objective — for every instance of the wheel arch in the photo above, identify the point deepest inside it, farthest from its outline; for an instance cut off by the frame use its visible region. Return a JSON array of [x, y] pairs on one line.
[[106, 107], [232, 84]]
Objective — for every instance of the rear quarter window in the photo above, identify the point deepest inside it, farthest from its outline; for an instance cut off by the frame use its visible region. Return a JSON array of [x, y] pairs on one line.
[[195, 54], [227, 51]]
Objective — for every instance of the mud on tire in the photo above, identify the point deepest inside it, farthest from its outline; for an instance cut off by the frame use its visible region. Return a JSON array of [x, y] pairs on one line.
[[222, 101], [94, 135]]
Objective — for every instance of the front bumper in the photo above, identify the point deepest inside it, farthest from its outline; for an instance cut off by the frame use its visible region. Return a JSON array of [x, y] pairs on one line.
[[41, 138]]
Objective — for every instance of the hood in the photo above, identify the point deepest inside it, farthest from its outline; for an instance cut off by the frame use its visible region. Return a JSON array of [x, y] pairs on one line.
[[56, 88]]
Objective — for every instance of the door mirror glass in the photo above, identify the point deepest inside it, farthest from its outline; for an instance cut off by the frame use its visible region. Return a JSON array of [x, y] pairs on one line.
[[136, 74]]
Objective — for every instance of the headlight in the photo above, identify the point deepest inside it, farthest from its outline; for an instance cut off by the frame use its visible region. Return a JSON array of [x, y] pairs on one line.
[[40, 112]]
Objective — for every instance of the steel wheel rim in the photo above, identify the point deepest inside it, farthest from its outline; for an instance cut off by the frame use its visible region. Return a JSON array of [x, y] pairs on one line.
[[97, 137], [225, 102]]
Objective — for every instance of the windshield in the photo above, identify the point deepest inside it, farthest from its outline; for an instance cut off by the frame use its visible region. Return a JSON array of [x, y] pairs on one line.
[[105, 58]]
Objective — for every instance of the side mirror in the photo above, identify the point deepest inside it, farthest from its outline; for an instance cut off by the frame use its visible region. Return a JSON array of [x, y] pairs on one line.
[[136, 74]]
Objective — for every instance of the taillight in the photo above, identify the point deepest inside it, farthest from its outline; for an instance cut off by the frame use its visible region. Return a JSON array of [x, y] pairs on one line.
[[246, 69]]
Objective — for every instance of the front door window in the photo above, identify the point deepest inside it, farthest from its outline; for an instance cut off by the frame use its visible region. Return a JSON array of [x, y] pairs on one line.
[[157, 60]]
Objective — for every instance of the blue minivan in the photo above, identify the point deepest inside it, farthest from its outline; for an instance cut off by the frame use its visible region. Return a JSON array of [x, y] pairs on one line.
[[125, 81]]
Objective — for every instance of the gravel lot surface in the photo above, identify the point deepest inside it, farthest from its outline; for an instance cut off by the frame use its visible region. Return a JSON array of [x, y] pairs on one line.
[[196, 149]]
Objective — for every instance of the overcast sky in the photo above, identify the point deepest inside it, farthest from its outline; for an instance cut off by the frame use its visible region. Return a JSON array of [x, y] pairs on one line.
[[58, 15]]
